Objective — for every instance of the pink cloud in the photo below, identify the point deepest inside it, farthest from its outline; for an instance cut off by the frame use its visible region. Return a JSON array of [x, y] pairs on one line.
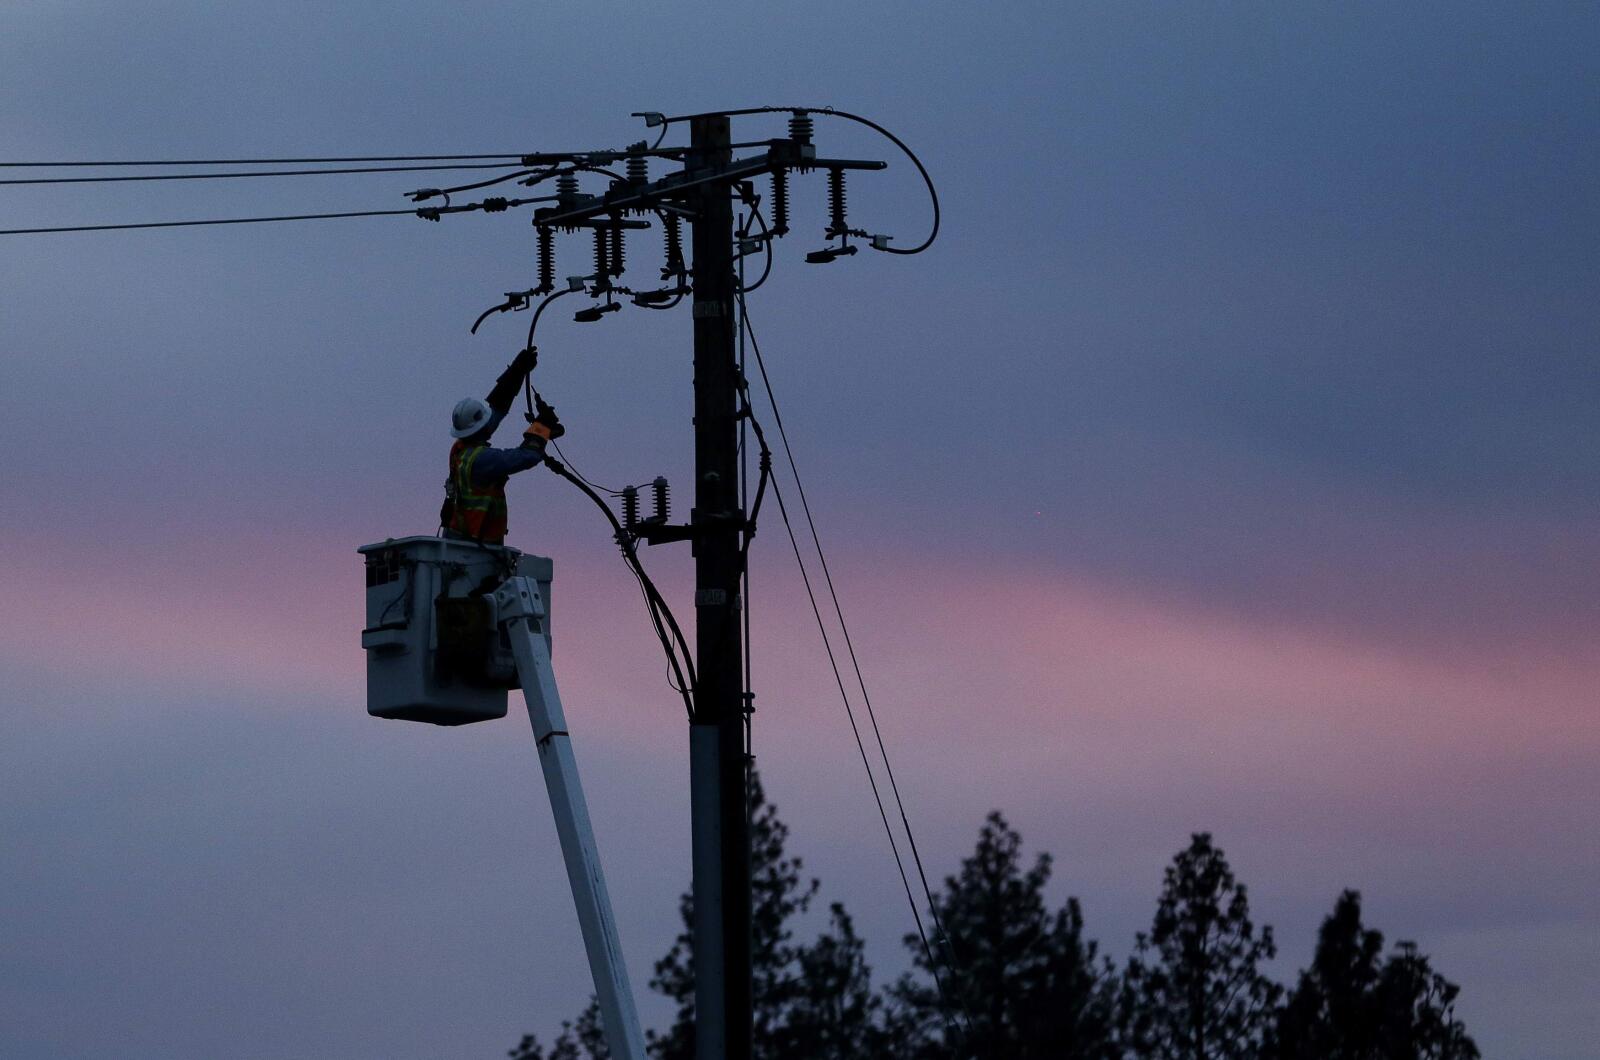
[[1029, 663]]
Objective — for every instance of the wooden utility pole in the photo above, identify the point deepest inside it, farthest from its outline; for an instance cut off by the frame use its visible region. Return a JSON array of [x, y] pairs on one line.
[[718, 764]]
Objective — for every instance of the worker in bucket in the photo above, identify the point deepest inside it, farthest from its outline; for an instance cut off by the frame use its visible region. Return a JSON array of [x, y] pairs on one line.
[[475, 493]]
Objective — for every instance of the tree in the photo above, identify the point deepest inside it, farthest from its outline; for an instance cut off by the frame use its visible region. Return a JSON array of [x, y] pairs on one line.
[[1417, 1011], [811, 1002], [1193, 989], [1072, 999], [832, 1011], [580, 1039], [778, 894], [1331, 1012], [1017, 982], [1350, 1006]]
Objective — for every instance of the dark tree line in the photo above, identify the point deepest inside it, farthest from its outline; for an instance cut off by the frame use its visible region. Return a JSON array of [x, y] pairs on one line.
[[1012, 979]]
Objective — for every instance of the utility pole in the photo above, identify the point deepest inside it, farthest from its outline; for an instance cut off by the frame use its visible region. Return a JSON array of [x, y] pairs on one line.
[[718, 765], [703, 193]]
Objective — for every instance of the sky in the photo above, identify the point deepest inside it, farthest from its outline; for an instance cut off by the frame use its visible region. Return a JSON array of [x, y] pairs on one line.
[[1228, 464]]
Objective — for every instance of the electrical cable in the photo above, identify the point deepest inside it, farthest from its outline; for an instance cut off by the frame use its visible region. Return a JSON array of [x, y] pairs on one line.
[[933, 194], [430, 192], [861, 747], [751, 513], [747, 695], [661, 616], [568, 461], [739, 112], [256, 161], [744, 322], [670, 305], [213, 221], [514, 300], [766, 241], [256, 173], [527, 380], [748, 531], [573, 167], [428, 213], [659, 611], [675, 676], [534, 323], [605, 157]]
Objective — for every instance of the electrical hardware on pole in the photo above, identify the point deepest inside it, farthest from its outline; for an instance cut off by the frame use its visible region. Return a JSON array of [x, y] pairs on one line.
[[711, 178], [712, 174]]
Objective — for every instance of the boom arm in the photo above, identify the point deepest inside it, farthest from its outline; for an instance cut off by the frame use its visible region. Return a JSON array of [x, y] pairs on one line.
[[521, 611]]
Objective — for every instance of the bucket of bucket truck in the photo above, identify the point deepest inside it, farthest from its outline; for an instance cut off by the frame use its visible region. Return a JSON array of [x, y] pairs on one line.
[[435, 651]]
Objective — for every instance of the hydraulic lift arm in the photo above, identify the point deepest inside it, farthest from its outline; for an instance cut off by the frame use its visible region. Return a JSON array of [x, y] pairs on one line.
[[521, 612]]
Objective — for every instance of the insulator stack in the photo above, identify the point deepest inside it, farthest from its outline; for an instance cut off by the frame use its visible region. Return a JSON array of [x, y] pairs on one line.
[[800, 127], [630, 507], [660, 493], [836, 203], [639, 169], [619, 251], [547, 260], [672, 226], [780, 202], [602, 266], [567, 189]]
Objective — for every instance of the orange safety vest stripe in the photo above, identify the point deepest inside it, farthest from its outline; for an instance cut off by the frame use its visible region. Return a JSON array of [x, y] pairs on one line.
[[478, 512]]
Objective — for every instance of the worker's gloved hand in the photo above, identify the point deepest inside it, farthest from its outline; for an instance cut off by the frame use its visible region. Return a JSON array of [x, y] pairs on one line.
[[526, 361], [544, 424]]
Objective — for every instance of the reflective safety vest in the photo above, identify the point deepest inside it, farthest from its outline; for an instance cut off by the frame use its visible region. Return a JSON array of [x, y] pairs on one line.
[[477, 511]]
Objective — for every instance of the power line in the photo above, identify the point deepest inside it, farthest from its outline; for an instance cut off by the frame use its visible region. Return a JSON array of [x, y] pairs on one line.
[[877, 796], [256, 173], [212, 221], [933, 964], [258, 161], [493, 204]]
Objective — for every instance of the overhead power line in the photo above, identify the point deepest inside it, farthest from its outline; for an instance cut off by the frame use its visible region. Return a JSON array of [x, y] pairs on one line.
[[794, 472], [261, 161], [212, 221], [493, 204], [251, 173]]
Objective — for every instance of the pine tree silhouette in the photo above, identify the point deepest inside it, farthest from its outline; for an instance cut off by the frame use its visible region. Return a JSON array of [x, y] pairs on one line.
[[1193, 989]]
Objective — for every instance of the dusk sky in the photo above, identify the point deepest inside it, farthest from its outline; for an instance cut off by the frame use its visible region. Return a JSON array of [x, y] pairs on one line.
[[1231, 463]]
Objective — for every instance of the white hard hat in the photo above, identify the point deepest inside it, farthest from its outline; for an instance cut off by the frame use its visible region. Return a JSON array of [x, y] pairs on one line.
[[471, 415]]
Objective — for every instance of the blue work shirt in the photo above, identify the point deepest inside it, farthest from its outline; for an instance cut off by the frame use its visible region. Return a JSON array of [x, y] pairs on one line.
[[495, 465]]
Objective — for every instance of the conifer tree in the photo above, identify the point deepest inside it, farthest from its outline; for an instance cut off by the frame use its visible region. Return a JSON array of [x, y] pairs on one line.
[[784, 999], [1193, 989], [778, 894], [1417, 1011], [1352, 1005], [580, 1039], [1018, 982], [1330, 1012], [832, 1013]]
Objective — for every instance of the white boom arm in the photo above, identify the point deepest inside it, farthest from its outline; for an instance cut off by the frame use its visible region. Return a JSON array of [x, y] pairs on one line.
[[521, 611]]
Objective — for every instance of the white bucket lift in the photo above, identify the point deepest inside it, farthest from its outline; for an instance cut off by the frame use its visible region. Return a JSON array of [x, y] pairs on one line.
[[451, 625], [435, 651]]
